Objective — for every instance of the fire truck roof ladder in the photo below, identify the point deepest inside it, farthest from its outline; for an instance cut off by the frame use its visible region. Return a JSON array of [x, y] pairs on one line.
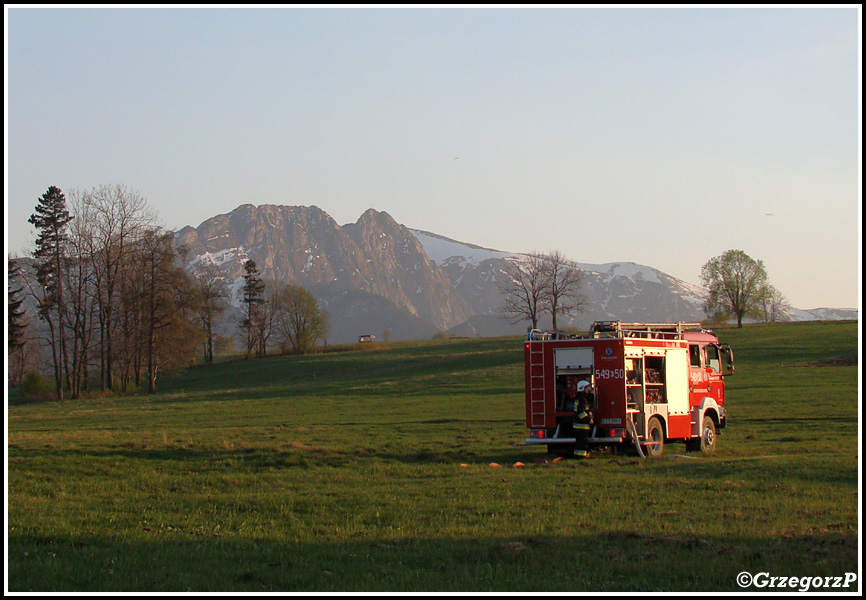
[[618, 329]]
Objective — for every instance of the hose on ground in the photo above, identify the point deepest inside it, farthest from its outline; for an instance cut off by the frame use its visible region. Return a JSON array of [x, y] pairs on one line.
[[629, 423]]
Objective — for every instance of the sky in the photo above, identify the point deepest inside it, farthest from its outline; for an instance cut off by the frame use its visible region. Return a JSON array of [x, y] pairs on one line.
[[660, 136]]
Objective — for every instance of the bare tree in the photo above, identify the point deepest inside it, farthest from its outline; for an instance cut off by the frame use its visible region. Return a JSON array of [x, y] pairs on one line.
[[119, 216], [526, 289], [211, 300], [540, 283], [772, 304], [565, 279], [81, 289], [265, 321]]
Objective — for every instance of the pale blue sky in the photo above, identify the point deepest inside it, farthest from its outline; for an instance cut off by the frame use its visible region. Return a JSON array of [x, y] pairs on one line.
[[659, 136]]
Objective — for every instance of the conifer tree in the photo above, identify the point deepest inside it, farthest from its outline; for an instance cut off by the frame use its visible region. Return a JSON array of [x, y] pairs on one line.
[[254, 295], [17, 324], [50, 219]]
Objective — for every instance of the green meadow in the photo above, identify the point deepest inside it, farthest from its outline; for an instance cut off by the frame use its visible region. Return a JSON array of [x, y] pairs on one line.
[[375, 469]]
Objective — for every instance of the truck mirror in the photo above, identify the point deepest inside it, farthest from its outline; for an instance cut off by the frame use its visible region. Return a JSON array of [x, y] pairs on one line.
[[728, 358]]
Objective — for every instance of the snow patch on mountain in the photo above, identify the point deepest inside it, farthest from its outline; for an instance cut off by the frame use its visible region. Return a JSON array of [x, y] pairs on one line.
[[218, 258], [440, 248], [821, 314], [629, 270]]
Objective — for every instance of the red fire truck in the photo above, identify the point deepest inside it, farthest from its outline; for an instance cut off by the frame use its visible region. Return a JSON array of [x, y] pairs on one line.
[[652, 383]]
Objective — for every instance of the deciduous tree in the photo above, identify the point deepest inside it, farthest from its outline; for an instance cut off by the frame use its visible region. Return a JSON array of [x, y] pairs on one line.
[[735, 282], [564, 296], [300, 320], [119, 216], [211, 301], [526, 288], [772, 304], [539, 283], [167, 302]]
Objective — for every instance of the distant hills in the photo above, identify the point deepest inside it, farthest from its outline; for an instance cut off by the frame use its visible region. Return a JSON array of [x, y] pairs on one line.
[[376, 275]]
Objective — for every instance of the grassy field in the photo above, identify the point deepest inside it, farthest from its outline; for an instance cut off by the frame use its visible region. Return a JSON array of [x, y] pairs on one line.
[[371, 471]]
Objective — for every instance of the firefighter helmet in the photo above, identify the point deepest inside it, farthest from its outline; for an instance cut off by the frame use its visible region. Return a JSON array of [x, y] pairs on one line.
[[582, 385]]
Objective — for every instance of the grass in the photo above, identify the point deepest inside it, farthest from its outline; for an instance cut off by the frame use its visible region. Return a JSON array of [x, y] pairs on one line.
[[371, 470]]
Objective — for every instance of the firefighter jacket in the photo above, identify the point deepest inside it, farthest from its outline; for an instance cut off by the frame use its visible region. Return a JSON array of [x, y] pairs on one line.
[[582, 412]]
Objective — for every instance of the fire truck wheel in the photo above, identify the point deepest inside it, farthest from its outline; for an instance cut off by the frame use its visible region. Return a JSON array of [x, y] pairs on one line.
[[708, 435], [656, 437]]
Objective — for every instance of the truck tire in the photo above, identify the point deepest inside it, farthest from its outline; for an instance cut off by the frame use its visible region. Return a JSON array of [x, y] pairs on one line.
[[656, 435], [708, 435]]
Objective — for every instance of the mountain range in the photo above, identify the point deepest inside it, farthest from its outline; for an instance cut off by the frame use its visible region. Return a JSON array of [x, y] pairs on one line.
[[378, 277]]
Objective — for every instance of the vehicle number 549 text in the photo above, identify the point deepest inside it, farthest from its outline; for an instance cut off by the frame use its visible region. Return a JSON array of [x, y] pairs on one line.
[[610, 373]]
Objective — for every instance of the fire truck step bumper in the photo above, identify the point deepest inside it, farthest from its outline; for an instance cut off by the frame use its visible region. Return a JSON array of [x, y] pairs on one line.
[[592, 440]]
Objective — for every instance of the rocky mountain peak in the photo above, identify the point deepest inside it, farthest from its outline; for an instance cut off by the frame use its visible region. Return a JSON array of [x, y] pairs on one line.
[[374, 257], [377, 274]]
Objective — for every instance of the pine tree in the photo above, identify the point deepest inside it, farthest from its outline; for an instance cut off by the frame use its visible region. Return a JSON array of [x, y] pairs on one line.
[[50, 219], [17, 323], [254, 294]]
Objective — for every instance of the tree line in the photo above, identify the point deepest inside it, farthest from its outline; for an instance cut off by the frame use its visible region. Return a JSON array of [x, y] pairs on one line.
[[536, 284], [116, 305]]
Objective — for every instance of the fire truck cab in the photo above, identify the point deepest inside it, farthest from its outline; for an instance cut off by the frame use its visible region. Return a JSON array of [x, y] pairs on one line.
[[652, 383]]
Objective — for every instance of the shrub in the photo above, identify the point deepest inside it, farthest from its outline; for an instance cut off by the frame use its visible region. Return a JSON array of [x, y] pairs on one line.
[[36, 387]]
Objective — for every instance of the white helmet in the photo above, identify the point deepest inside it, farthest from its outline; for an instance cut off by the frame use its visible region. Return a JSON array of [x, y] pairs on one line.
[[582, 385]]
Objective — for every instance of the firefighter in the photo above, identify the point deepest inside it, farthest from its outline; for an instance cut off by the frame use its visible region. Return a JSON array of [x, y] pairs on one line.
[[582, 418]]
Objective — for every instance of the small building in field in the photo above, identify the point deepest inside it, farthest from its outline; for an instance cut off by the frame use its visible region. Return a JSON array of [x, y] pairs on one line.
[[366, 338]]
